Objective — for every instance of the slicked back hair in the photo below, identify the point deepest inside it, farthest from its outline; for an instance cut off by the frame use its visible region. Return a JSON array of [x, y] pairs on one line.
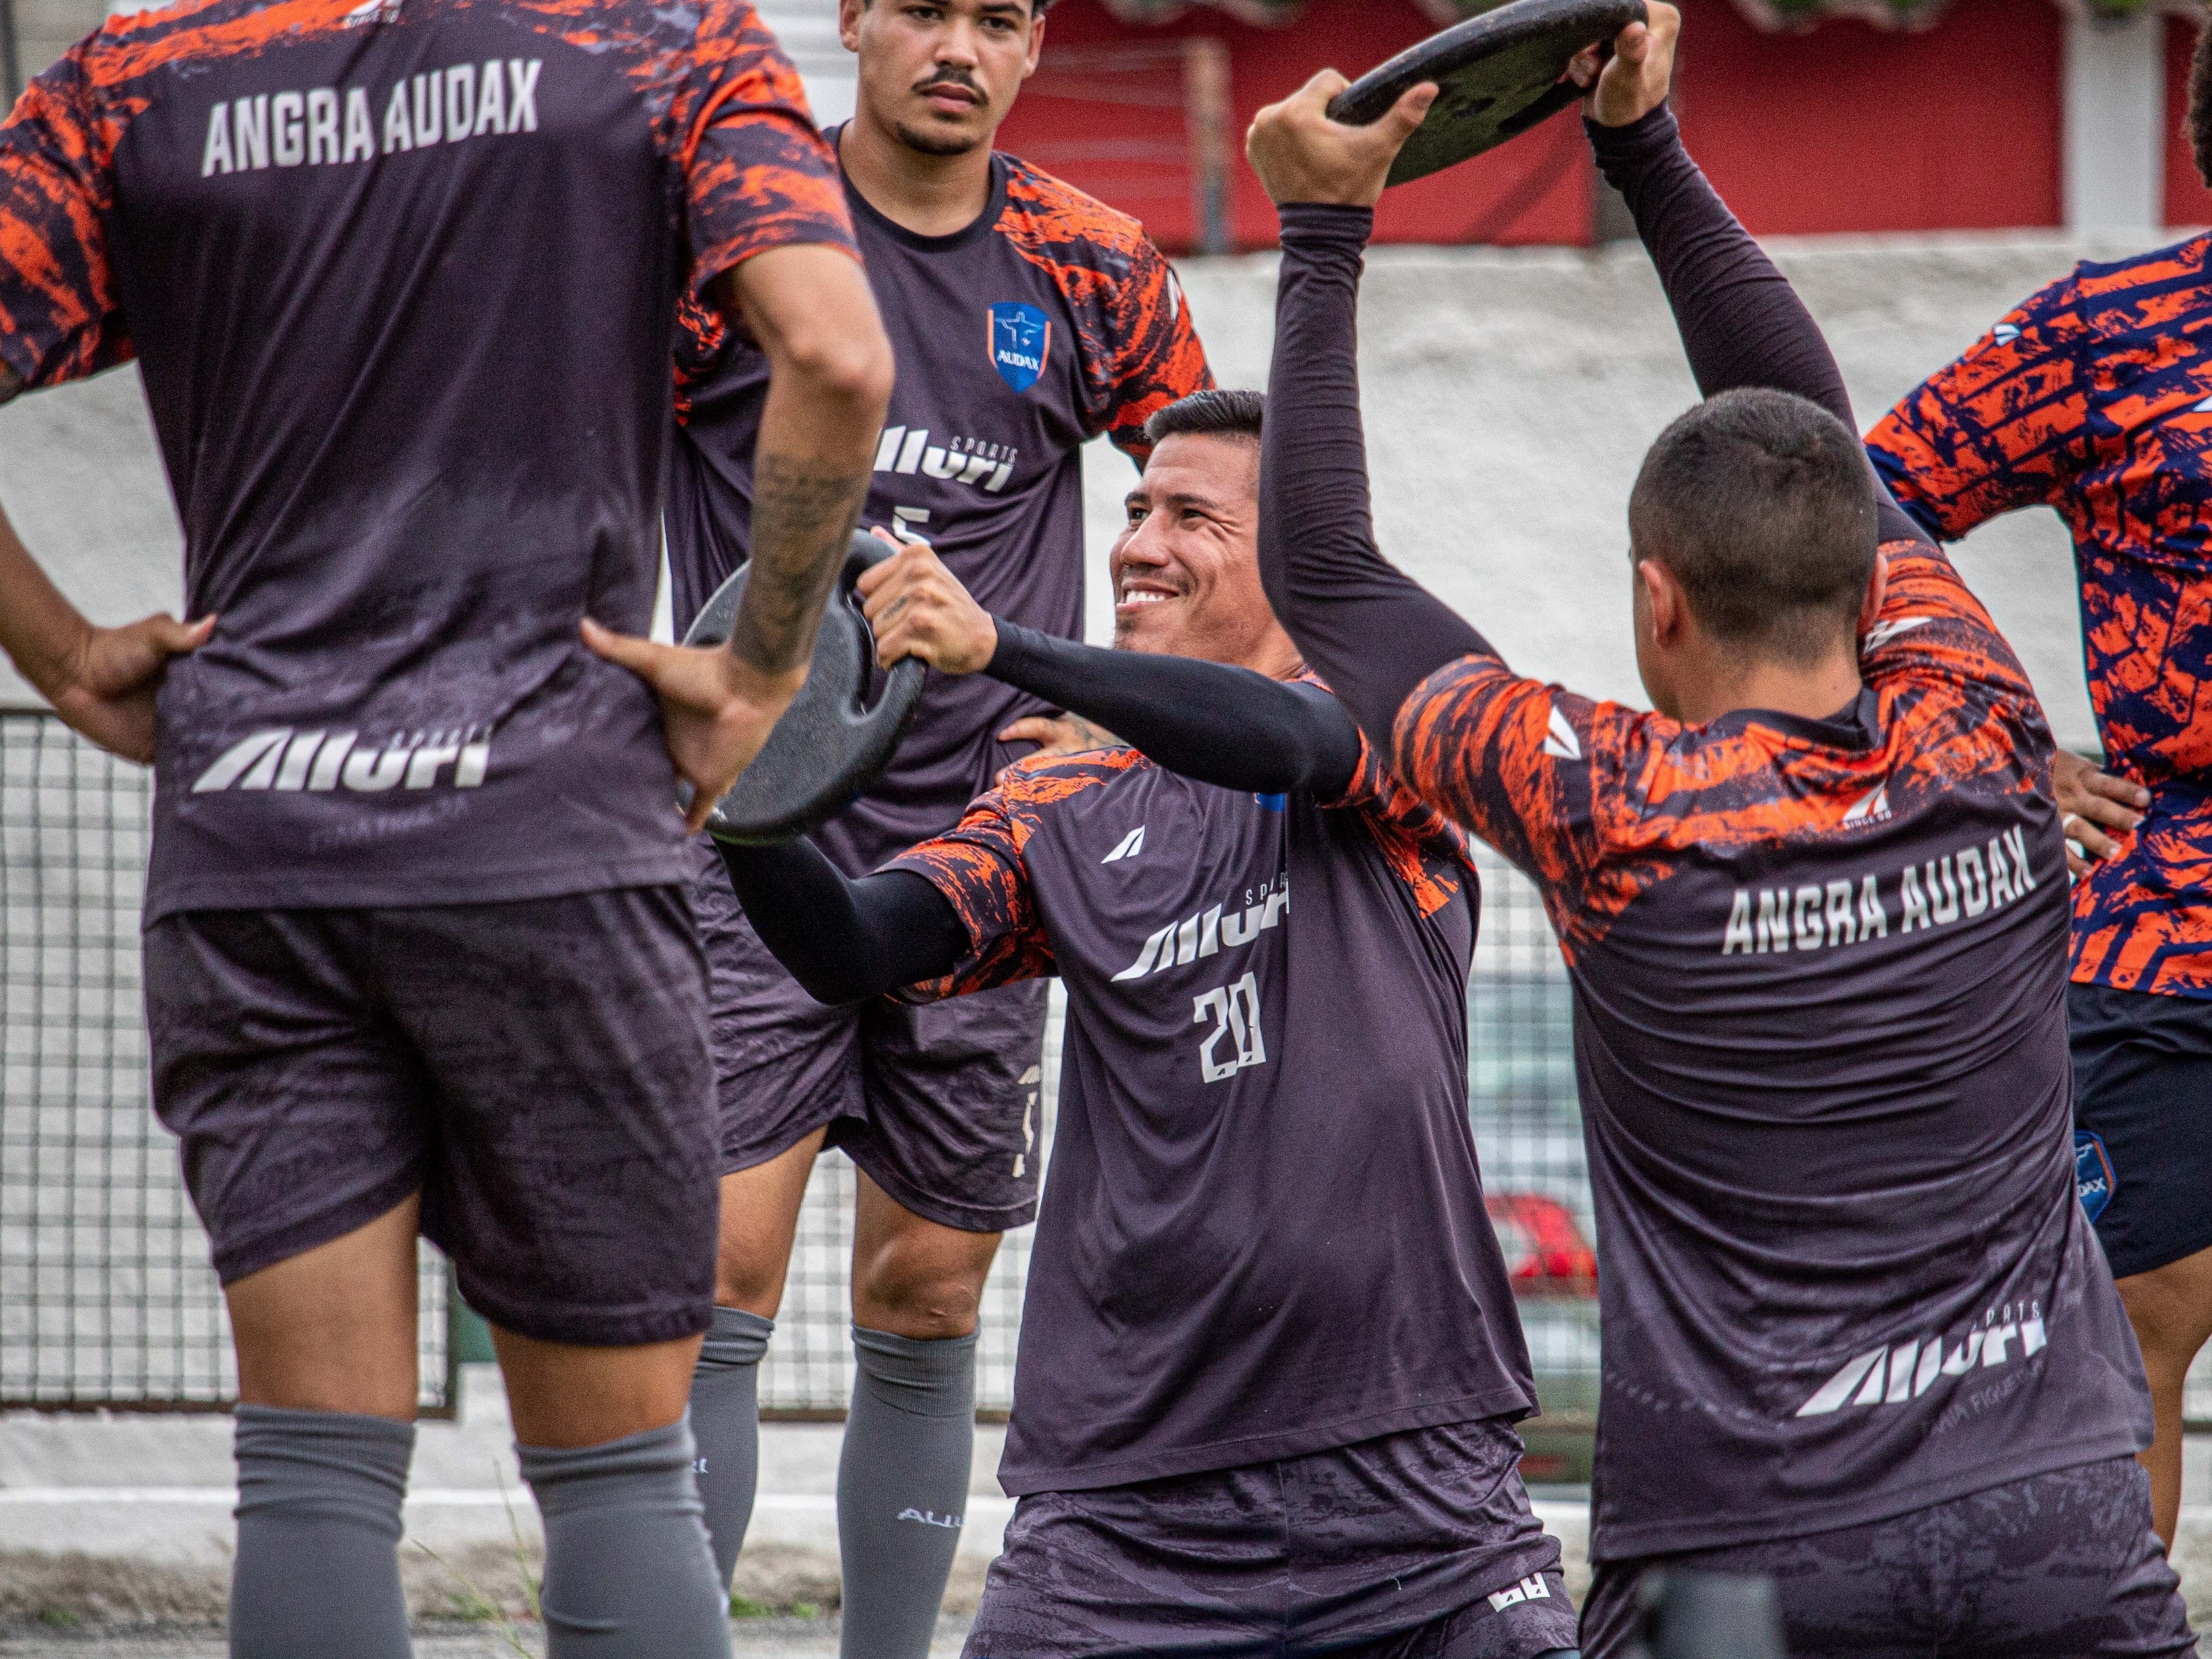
[[2200, 103], [1037, 8], [1762, 506], [1218, 413]]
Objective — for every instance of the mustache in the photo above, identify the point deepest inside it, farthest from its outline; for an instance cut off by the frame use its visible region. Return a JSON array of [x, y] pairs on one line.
[[951, 77]]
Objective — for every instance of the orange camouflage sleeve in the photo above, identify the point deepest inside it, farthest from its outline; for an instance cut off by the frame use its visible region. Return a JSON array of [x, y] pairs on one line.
[[1159, 358], [756, 174], [2006, 426], [1424, 849], [977, 865], [60, 318]]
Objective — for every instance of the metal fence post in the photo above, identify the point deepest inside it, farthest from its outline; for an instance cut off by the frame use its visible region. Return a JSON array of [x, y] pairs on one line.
[[11, 55]]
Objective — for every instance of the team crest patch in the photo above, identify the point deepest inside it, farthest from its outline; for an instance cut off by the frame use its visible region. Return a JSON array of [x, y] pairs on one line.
[[2093, 1173], [1020, 344]]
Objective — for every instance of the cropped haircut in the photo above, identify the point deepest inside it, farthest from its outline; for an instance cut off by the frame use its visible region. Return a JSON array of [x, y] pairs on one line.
[[1762, 506], [2200, 103], [1218, 413]]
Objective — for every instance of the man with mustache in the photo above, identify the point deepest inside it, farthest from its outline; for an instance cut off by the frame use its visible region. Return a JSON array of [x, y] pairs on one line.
[[1026, 318]]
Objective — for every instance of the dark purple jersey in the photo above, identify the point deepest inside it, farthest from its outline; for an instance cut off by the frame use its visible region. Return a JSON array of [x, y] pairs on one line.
[[1263, 1233], [1049, 320], [1818, 970], [402, 278]]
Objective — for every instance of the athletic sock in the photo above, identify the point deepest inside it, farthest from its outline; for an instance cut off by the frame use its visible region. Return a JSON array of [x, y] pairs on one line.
[[725, 1422], [318, 1566], [902, 1489], [628, 1570]]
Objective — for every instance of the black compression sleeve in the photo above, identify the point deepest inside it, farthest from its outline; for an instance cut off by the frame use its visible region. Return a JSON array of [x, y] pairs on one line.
[[1204, 720], [1742, 324], [1367, 627], [844, 939]]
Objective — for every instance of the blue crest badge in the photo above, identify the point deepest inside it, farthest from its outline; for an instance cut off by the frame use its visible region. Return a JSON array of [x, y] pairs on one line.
[[1273, 803], [1020, 344], [2093, 1173]]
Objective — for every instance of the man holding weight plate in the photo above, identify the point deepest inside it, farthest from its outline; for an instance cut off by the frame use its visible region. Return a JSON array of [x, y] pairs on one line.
[[1027, 319], [1858, 1336]]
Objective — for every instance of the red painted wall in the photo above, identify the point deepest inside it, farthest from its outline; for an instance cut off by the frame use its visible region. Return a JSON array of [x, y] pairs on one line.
[[2187, 201], [1536, 191], [1844, 128], [1852, 128]]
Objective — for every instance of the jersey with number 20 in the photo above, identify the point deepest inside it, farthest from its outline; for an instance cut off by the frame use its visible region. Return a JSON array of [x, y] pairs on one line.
[[1264, 1234]]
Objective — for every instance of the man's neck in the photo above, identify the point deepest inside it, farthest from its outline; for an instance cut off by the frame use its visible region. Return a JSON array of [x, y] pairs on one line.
[[1810, 694], [928, 195]]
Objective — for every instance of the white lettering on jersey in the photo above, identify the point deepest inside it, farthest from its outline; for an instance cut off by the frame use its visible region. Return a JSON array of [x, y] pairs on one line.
[[285, 760], [294, 129], [1895, 1375], [1530, 1589], [1221, 927], [988, 467], [1128, 847], [1973, 881]]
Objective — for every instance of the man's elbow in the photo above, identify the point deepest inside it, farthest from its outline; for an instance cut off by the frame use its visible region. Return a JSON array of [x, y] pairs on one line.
[[845, 362]]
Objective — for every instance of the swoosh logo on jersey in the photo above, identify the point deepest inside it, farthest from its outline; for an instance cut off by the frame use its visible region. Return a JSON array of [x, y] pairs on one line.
[[1871, 808], [1128, 847], [1882, 633], [1560, 741]]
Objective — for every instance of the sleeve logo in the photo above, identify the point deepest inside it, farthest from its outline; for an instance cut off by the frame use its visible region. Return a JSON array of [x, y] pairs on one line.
[[1020, 344]]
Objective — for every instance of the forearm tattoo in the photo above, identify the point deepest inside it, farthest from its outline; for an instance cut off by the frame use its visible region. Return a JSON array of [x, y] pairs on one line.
[[803, 518]]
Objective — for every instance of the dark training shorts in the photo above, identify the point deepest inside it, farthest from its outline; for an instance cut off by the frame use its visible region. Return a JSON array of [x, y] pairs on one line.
[[538, 1070], [2062, 1566], [1416, 1545], [2143, 1088], [938, 1104]]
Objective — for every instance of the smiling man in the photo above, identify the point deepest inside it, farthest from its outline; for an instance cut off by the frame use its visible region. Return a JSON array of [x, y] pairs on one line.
[[1027, 319], [1270, 1364]]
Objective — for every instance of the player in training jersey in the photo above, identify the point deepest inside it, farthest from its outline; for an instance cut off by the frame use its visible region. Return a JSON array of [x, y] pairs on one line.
[[418, 951], [2095, 398], [1857, 1333], [1027, 319], [1269, 1361]]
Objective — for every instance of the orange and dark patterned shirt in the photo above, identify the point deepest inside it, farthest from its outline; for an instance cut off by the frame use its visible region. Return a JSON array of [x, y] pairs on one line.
[[1048, 321], [401, 276], [1264, 1230], [2095, 399]]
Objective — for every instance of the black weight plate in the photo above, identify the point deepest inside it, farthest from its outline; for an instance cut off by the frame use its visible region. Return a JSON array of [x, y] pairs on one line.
[[829, 745], [1498, 75]]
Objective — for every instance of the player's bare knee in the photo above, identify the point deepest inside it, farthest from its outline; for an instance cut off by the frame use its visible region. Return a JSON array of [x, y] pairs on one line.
[[929, 1305]]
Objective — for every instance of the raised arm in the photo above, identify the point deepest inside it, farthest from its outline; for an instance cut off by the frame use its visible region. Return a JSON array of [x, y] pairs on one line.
[[1741, 323], [841, 938], [1206, 720], [1366, 627]]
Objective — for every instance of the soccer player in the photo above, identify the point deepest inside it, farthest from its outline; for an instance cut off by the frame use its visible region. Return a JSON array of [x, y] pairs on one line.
[[1269, 1361], [1857, 1335], [2095, 398], [1027, 319], [401, 280]]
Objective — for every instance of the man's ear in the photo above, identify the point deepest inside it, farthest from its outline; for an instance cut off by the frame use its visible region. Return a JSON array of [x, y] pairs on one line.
[[1669, 604], [849, 23], [1036, 41], [1877, 592]]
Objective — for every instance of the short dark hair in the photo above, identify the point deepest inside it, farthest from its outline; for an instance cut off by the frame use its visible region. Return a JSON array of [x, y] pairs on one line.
[[1218, 414], [2200, 103], [1762, 505]]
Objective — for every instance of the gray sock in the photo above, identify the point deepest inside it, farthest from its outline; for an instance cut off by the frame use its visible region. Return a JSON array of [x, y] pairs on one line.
[[628, 1570], [902, 1489], [725, 1422], [317, 1567]]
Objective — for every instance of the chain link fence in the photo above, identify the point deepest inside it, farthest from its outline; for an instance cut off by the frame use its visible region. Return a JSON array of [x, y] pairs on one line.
[[107, 1298]]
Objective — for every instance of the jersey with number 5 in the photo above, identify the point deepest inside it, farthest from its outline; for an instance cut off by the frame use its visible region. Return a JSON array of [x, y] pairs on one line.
[[1264, 1231]]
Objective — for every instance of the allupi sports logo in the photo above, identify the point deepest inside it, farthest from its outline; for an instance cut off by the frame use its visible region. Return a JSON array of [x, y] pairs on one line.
[[1897, 1375], [1020, 344], [284, 759]]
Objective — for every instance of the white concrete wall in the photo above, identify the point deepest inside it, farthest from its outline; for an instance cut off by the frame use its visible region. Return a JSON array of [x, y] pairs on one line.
[[2115, 119], [808, 29]]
